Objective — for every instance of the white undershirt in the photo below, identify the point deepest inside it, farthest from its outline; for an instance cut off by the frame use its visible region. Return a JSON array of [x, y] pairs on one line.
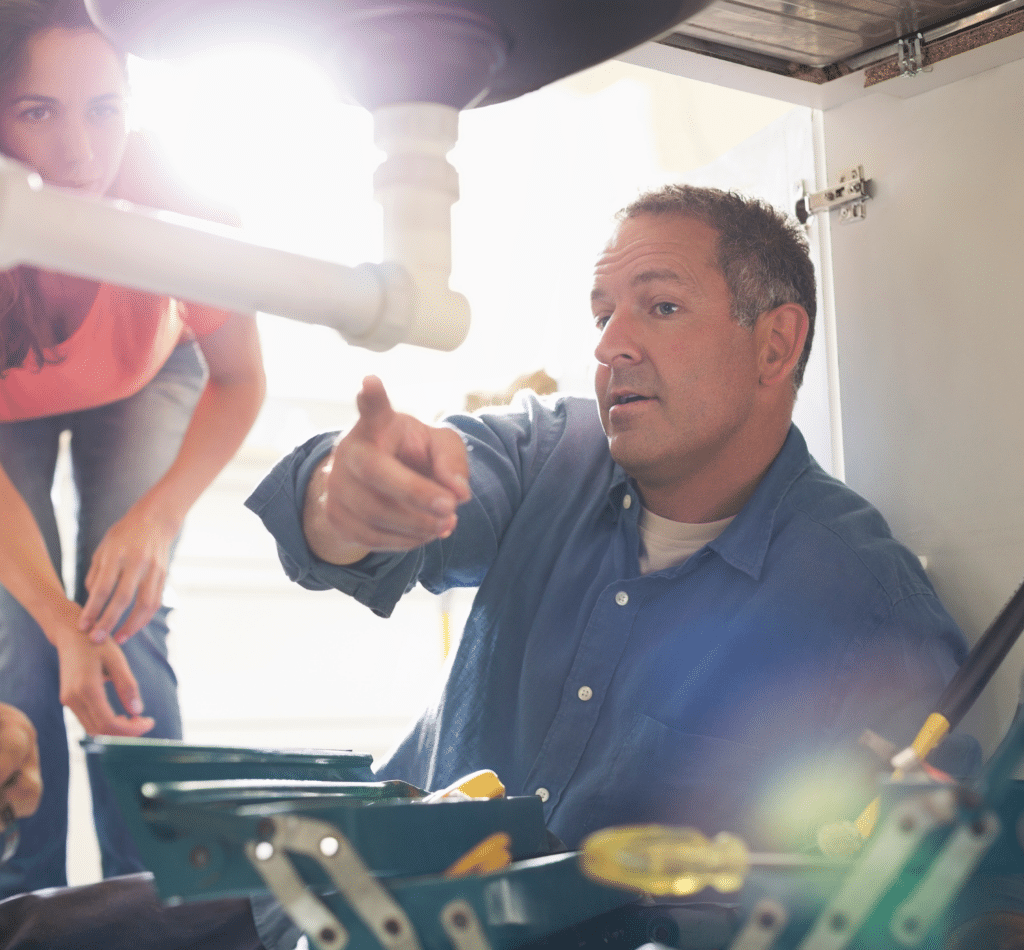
[[664, 543]]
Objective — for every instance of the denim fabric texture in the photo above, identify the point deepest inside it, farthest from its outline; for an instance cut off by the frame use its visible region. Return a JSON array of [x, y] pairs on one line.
[[725, 693], [118, 451]]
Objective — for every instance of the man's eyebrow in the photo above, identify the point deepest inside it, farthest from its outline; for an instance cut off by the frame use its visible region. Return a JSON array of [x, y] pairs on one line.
[[653, 276], [649, 277]]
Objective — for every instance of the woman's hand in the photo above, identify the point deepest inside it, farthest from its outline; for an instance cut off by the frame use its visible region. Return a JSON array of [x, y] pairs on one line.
[[132, 560], [129, 568], [20, 783], [84, 669], [27, 572]]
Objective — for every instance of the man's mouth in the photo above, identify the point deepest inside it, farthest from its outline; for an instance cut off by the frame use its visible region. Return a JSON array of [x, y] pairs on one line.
[[628, 397]]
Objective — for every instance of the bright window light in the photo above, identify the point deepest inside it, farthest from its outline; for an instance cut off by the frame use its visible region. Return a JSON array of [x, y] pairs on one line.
[[540, 178], [265, 130]]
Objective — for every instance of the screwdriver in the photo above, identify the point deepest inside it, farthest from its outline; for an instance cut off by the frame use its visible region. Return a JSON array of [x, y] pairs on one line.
[[845, 837], [482, 784], [490, 855], [666, 861]]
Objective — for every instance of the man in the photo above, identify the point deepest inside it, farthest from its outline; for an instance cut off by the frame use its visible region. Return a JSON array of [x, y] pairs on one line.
[[680, 617], [20, 784]]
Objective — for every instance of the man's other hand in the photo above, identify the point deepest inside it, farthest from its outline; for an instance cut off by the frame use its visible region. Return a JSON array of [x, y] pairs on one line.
[[20, 783], [391, 483]]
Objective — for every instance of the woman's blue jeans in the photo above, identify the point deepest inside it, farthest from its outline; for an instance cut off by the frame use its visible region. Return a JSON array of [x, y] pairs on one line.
[[118, 451]]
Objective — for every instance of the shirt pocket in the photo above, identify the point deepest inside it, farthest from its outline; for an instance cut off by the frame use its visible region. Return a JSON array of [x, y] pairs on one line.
[[662, 775]]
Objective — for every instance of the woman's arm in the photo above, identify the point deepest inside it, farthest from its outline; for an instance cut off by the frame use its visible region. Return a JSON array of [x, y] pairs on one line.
[[132, 560], [29, 576]]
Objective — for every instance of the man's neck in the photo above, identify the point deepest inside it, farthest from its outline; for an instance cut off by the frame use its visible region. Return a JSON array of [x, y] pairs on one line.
[[715, 491]]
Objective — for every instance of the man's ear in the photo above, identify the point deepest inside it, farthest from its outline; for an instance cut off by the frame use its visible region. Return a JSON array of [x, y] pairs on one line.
[[781, 334]]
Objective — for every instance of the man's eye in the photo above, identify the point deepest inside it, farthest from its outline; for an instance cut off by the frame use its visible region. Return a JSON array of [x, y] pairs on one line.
[[35, 114], [600, 319], [666, 309]]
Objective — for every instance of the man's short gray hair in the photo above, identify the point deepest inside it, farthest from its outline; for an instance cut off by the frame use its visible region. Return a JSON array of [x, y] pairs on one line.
[[762, 254]]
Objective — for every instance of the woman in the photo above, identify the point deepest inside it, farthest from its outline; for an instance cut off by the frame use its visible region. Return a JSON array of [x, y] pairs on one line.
[[150, 427]]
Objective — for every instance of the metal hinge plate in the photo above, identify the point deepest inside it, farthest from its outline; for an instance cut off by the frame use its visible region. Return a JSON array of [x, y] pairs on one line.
[[850, 197], [910, 55]]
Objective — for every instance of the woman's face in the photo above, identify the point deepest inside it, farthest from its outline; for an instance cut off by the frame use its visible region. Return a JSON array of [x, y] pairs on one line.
[[65, 114]]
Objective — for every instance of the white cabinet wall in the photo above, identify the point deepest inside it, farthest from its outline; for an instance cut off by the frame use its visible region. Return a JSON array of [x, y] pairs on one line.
[[929, 312]]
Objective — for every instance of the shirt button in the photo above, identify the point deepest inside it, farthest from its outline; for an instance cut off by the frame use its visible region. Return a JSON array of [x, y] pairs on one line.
[[622, 598], [627, 500], [543, 794], [584, 693]]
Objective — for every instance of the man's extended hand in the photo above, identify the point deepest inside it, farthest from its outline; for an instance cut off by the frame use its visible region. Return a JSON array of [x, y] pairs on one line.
[[391, 484], [20, 782]]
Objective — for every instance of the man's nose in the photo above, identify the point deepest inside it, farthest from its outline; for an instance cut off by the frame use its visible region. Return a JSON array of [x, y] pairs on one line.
[[619, 339]]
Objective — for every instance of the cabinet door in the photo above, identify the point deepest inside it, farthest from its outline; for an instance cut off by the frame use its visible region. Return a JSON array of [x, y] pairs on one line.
[[928, 291]]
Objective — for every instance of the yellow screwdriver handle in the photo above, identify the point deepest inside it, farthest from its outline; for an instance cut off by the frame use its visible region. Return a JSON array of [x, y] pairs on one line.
[[846, 837], [482, 784], [660, 860], [490, 855]]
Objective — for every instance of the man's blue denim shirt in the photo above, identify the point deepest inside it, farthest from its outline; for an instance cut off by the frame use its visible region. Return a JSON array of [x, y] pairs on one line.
[[726, 693]]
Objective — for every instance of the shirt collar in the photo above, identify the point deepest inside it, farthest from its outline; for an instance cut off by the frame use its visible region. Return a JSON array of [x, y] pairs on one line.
[[744, 543], [620, 486]]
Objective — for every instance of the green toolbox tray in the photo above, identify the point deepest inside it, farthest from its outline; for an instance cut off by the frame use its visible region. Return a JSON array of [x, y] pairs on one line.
[[192, 833]]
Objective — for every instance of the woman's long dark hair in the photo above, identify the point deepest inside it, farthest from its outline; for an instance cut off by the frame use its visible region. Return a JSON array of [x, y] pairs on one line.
[[21, 306]]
